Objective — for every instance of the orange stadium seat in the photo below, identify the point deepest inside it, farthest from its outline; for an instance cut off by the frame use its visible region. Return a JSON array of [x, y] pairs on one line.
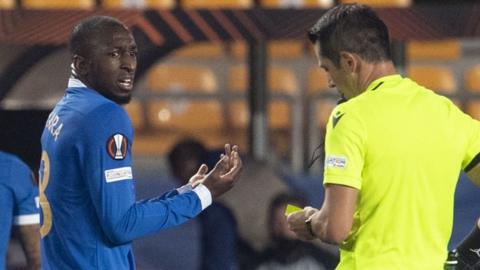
[[473, 109], [59, 4], [7, 4], [217, 3], [472, 84], [278, 49], [138, 4], [472, 79], [317, 81], [176, 117], [434, 50], [297, 4], [181, 113], [202, 50], [435, 77], [380, 3], [134, 110], [279, 80]]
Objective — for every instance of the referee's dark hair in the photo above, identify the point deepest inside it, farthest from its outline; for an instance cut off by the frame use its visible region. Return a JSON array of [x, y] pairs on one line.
[[85, 33], [351, 28]]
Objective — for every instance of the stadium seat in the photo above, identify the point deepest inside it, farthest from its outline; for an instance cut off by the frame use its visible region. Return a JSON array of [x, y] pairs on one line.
[[317, 81], [175, 78], [182, 113], [297, 3], [473, 109], [380, 3], [134, 110], [58, 4], [202, 50], [217, 3], [120, 4], [472, 79], [434, 77], [434, 50], [279, 80], [7, 4], [278, 49]]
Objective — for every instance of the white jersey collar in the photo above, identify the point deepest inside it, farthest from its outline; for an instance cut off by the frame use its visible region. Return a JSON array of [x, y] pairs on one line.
[[73, 82]]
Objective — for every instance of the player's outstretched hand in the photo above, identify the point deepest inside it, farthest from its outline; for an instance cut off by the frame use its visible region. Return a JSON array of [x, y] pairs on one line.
[[198, 178], [225, 173], [296, 223]]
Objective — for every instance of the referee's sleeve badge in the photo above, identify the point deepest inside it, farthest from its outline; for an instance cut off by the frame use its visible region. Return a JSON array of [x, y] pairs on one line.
[[117, 146]]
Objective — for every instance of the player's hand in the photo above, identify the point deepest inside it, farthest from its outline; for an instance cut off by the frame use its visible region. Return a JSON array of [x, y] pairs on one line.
[[198, 178], [296, 223], [225, 173]]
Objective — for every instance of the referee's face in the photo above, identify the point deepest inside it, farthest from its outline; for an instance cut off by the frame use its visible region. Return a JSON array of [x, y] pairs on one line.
[[112, 64], [338, 76]]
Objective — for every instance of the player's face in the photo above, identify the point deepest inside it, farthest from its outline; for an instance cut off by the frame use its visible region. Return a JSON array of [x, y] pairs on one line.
[[113, 64], [338, 77]]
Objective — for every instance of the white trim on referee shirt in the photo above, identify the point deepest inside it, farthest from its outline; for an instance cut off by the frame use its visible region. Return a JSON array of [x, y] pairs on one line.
[[26, 219]]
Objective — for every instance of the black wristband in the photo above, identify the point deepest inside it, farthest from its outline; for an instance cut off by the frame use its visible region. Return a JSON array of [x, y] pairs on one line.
[[469, 248], [308, 223]]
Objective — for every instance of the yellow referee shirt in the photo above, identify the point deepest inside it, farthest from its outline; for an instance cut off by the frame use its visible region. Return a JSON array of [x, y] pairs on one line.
[[402, 146]]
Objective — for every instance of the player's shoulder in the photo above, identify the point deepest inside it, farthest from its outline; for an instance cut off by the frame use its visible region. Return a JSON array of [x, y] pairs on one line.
[[99, 110], [14, 168], [13, 161]]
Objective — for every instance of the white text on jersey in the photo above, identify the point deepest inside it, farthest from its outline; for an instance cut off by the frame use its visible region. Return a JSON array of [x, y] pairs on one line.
[[54, 125]]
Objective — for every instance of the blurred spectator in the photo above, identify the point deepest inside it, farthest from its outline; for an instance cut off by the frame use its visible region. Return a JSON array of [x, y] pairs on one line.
[[217, 224], [285, 251], [250, 199]]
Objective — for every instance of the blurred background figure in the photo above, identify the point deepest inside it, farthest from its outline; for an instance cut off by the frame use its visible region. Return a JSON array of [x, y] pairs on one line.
[[284, 251], [19, 207], [218, 228]]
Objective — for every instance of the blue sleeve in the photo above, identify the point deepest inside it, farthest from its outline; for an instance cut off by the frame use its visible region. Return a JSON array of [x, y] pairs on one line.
[[105, 150], [26, 210]]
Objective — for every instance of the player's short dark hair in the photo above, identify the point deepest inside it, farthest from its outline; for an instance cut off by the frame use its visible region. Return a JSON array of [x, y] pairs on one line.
[[352, 28], [86, 32]]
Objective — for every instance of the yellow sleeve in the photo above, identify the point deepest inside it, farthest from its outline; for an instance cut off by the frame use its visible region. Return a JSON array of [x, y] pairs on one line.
[[344, 149]]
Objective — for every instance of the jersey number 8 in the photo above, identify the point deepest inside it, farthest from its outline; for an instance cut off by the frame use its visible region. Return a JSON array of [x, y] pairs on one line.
[[44, 204]]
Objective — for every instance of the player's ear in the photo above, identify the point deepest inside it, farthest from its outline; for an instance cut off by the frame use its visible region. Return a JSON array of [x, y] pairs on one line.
[[79, 65], [349, 61]]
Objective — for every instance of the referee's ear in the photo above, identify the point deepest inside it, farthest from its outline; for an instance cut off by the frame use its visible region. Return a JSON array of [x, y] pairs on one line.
[[349, 62]]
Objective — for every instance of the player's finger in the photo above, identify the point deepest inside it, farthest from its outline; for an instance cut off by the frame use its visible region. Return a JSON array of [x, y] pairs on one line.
[[234, 149], [236, 168], [203, 169], [228, 149], [220, 166]]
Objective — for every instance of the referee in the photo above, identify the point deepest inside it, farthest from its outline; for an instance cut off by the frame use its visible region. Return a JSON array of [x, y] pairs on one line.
[[394, 150]]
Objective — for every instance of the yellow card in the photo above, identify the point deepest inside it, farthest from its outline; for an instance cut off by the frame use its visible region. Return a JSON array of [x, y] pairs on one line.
[[291, 208]]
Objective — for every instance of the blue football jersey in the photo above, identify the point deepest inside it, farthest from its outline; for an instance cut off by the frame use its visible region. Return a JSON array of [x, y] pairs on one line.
[[89, 215], [18, 199]]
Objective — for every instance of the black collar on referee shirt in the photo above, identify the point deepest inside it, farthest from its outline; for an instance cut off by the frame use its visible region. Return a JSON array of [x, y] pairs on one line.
[[377, 86]]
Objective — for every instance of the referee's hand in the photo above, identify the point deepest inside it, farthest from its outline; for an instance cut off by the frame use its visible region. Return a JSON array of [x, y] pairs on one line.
[[297, 223]]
